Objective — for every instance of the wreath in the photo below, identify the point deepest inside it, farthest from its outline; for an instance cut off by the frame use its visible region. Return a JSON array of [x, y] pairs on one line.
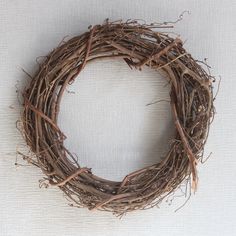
[[191, 101]]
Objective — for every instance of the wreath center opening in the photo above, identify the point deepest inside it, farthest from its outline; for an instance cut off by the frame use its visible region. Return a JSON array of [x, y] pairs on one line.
[[117, 120]]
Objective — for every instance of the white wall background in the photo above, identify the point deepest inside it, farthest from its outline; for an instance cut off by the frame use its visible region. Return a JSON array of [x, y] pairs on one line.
[[107, 122]]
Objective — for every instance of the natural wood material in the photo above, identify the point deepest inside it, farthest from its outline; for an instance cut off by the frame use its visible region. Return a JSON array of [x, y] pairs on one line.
[[191, 102]]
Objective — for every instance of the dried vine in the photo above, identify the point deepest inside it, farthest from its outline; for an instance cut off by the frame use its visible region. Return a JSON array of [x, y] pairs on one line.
[[138, 45]]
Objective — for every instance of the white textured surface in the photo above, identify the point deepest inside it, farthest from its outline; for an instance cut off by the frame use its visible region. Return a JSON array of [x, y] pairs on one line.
[[107, 122]]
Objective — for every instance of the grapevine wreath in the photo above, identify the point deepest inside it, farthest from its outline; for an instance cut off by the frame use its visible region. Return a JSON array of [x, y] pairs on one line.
[[139, 45]]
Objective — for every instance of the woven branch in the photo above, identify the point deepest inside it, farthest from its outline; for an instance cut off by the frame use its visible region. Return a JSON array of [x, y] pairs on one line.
[[191, 102]]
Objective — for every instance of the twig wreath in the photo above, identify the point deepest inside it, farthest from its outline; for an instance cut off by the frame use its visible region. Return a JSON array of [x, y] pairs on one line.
[[138, 45]]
